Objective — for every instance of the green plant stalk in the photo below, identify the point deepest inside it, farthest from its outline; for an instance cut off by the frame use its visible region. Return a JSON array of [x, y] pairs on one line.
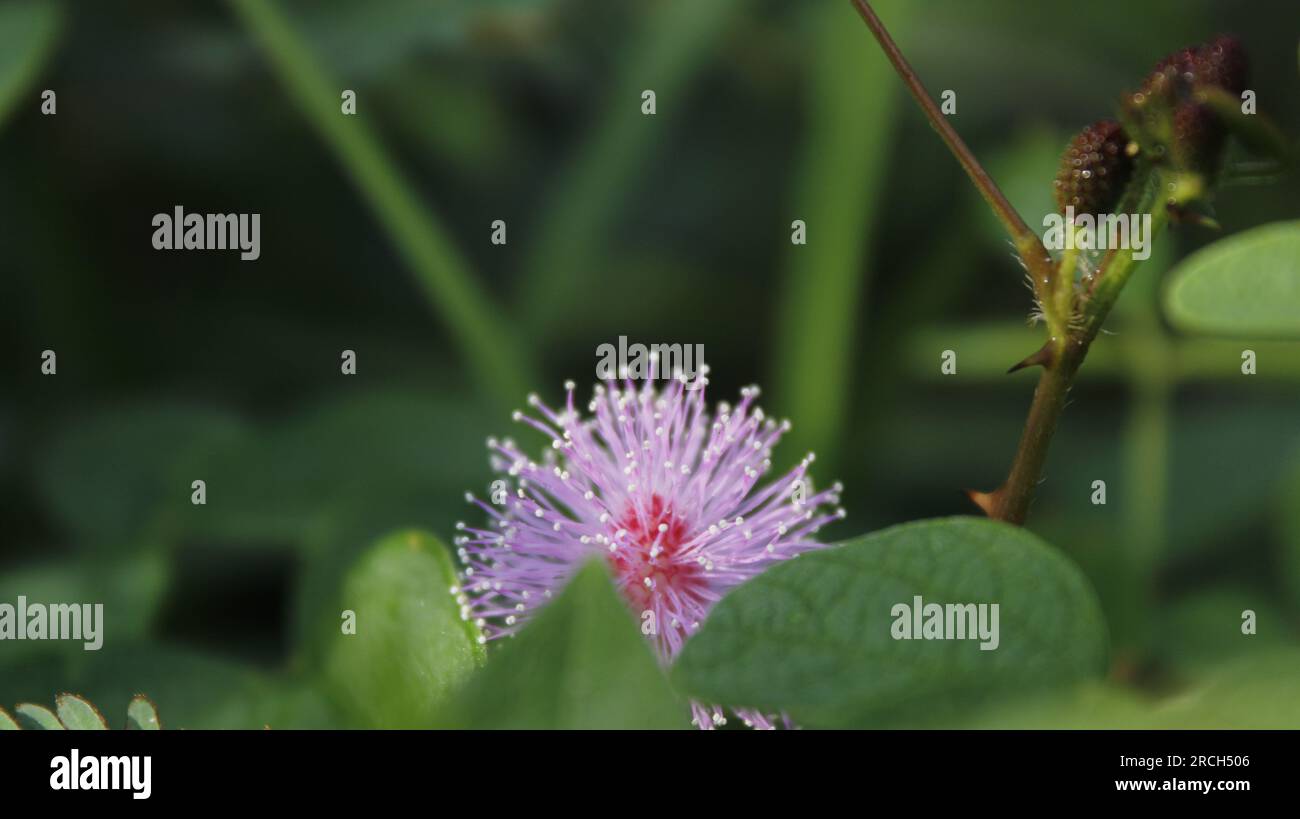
[[841, 170], [1153, 187], [1146, 475], [1068, 340], [1010, 502], [1063, 294], [495, 357], [585, 203]]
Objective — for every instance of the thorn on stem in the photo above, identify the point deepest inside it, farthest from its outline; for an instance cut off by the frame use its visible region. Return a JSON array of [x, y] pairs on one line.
[[1044, 357], [1181, 214], [986, 501]]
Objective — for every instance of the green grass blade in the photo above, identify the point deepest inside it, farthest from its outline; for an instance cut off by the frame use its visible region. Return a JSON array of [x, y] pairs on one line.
[[488, 345], [680, 36], [28, 31], [853, 93]]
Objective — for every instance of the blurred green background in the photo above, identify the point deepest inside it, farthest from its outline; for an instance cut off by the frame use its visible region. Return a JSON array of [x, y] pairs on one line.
[[672, 228]]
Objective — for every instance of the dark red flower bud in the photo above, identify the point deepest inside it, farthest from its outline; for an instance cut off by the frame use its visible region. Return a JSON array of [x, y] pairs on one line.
[[1095, 169], [1199, 138], [1164, 113], [1222, 62]]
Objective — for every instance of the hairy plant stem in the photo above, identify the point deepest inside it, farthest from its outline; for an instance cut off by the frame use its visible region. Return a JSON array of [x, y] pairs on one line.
[[1073, 318], [1011, 501], [1030, 248]]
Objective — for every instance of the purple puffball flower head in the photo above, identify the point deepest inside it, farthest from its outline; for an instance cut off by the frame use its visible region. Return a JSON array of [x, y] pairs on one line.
[[667, 493]]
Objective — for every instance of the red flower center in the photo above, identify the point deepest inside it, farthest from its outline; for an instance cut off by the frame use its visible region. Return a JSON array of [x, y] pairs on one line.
[[650, 550]]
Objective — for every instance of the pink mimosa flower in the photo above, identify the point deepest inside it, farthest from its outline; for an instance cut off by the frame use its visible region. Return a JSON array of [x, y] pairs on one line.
[[666, 493]]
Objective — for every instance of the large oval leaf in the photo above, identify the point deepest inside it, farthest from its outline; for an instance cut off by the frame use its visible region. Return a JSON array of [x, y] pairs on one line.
[[410, 645], [581, 664], [1246, 285], [815, 636]]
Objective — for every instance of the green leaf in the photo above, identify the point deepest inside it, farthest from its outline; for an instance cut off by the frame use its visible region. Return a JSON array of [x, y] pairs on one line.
[[1093, 705], [582, 664], [345, 461], [130, 589], [195, 690], [1257, 692], [116, 476], [28, 31], [346, 467], [37, 717], [1247, 285], [78, 715], [411, 646], [813, 636], [1254, 692], [141, 715]]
